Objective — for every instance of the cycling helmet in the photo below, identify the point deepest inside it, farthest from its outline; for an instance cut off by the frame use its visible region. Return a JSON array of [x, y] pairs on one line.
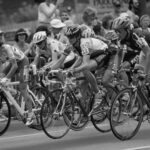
[[122, 22], [111, 35], [39, 36], [72, 31]]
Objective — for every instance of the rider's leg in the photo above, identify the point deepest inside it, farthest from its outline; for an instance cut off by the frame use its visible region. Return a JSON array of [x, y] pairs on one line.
[[23, 88], [92, 80], [90, 77]]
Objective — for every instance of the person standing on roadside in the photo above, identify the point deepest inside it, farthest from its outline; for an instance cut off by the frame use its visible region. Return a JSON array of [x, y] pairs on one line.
[[21, 38], [47, 11]]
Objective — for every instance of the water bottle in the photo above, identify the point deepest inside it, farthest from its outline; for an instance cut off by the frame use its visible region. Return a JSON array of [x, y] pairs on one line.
[[34, 69], [26, 73]]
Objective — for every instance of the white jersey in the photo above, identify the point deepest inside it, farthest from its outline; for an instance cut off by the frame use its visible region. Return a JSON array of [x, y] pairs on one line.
[[58, 47], [9, 52], [89, 45]]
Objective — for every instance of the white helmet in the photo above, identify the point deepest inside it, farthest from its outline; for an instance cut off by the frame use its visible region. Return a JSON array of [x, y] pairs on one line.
[[39, 36]]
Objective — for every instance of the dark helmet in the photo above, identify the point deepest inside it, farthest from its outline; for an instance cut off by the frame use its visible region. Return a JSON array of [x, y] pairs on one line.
[[73, 31]]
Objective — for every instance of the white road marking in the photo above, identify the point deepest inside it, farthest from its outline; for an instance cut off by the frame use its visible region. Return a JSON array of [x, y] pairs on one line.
[[138, 148], [37, 134]]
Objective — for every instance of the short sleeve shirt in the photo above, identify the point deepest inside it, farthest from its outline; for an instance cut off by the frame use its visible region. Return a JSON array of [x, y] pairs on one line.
[[90, 45], [9, 52]]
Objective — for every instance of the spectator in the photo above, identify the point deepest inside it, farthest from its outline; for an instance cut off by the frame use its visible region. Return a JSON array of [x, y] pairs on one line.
[[107, 21], [89, 16], [144, 26], [71, 14], [132, 10], [117, 4], [65, 18], [21, 37], [58, 29], [47, 11]]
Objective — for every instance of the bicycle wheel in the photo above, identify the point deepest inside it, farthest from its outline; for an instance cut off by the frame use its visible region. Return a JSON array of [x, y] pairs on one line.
[[80, 120], [54, 116], [5, 114], [126, 114], [100, 117]]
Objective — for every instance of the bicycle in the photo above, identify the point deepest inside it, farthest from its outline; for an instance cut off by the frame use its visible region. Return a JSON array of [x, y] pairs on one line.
[[7, 96], [128, 106], [67, 105]]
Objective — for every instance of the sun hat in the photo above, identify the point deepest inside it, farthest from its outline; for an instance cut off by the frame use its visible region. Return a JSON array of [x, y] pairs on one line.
[[56, 23]]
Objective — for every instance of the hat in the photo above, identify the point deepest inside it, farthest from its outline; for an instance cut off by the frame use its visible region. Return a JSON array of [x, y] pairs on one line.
[[21, 31], [56, 23]]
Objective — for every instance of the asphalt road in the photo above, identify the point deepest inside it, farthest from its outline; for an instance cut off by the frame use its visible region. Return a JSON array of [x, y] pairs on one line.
[[19, 137]]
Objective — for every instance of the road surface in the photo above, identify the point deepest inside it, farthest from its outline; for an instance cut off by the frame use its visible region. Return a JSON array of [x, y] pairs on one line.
[[19, 137]]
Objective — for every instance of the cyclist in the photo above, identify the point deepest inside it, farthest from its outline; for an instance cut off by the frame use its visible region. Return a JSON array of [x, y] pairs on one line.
[[55, 51], [135, 45], [16, 62], [21, 37], [89, 51]]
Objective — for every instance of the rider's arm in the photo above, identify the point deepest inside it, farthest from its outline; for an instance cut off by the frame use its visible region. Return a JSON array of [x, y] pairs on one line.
[[32, 46], [146, 50], [37, 57], [12, 69], [77, 62], [59, 62], [54, 57], [84, 65], [12, 61], [62, 58]]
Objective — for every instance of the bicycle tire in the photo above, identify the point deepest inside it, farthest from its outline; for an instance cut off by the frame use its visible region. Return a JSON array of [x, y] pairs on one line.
[[100, 119], [4, 102], [121, 104], [48, 109]]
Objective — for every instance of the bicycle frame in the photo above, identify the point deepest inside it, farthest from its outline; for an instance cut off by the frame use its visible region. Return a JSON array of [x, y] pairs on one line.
[[13, 101], [87, 114]]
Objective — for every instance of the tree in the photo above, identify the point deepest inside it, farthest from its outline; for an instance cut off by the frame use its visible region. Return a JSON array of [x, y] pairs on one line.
[[26, 12]]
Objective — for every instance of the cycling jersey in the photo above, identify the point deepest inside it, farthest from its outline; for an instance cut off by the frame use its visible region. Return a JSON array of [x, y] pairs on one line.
[[54, 46], [9, 52], [90, 45]]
